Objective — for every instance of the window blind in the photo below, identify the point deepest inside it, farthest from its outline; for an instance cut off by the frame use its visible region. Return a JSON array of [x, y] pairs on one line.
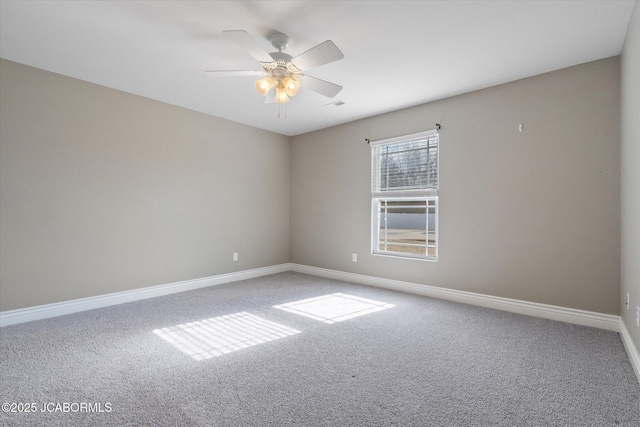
[[405, 163]]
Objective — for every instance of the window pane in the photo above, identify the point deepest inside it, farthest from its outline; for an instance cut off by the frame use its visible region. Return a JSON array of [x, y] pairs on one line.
[[432, 252], [406, 165], [404, 226]]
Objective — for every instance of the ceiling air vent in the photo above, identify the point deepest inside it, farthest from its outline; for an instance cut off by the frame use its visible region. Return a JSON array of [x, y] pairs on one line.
[[334, 104]]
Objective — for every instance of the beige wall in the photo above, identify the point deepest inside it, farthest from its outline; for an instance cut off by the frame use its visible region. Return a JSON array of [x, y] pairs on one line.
[[630, 178], [532, 216], [103, 191]]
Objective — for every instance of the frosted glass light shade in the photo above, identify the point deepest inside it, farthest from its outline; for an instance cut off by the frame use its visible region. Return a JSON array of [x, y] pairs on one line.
[[281, 94], [265, 85], [291, 85]]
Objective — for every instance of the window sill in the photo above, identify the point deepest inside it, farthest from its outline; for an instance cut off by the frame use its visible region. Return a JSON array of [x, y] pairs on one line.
[[412, 258]]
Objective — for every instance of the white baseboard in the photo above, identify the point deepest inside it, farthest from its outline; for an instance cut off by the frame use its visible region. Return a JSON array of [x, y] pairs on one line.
[[563, 314], [631, 349], [28, 314]]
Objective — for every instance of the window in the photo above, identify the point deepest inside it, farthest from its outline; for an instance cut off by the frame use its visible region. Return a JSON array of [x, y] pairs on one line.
[[404, 188]]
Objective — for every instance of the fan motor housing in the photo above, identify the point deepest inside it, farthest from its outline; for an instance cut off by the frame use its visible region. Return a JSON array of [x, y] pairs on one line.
[[281, 57], [284, 67]]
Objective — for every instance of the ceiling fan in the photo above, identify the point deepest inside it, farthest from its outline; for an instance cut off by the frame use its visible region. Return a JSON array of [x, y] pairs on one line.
[[283, 71]]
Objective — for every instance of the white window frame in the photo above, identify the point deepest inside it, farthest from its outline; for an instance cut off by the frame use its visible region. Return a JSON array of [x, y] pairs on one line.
[[380, 195]]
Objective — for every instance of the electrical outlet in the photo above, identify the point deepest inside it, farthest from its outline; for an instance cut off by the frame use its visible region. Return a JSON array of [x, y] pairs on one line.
[[354, 257], [235, 256], [627, 303]]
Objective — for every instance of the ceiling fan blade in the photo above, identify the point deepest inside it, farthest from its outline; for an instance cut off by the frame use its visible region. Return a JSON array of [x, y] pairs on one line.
[[323, 53], [235, 73], [270, 98], [320, 86], [248, 43]]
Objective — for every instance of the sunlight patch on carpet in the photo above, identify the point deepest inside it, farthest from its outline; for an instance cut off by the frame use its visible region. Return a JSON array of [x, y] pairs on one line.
[[217, 336], [334, 308]]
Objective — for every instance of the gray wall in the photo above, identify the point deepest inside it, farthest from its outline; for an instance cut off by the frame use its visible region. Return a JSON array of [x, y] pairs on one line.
[[533, 216], [630, 59], [103, 191]]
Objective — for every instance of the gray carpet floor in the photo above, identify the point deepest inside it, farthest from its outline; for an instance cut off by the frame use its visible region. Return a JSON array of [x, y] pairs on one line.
[[415, 362]]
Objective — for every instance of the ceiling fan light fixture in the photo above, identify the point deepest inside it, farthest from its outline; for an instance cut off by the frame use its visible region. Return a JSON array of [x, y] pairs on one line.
[[265, 85], [281, 70], [281, 94], [292, 85]]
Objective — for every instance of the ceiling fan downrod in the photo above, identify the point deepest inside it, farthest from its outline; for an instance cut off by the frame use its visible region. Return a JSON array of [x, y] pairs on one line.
[[279, 40]]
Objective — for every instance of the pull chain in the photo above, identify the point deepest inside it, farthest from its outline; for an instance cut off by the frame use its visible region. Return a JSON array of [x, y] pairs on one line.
[[286, 111]]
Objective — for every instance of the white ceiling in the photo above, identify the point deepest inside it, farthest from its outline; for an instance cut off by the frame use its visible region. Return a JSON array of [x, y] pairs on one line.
[[396, 53]]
